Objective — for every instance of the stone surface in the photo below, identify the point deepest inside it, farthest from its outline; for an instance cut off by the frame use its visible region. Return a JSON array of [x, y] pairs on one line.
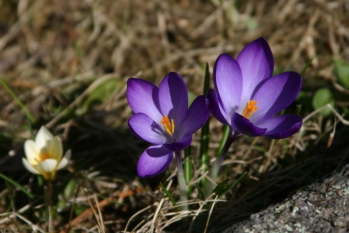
[[321, 207]]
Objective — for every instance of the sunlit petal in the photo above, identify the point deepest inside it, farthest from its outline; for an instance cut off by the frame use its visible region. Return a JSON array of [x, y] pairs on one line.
[[65, 160], [196, 117], [42, 137], [228, 82], [32, 152], [55, 148], [257, 63], [29, 167], [142, 97], [275, 94], [173, 97], [147, 129], [48, 165]]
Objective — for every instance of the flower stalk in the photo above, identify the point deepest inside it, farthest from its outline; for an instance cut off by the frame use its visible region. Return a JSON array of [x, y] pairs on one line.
[[183, 188], [227, 139]]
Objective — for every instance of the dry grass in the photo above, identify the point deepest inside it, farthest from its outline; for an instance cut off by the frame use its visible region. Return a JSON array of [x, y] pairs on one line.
[[55, 55]]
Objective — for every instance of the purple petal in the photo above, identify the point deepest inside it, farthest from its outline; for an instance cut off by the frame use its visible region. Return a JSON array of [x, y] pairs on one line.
[[227, 80], [147, 129], [154, 161], [180, 145], [282, 126], [197, 116], [245, 126], [275, 94], [216, 110], [142, 97], [257, 63], [173, 97]]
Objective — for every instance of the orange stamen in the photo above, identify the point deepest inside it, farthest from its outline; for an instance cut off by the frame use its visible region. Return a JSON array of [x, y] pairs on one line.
[[169, 126], [44, 157], [250, 109]]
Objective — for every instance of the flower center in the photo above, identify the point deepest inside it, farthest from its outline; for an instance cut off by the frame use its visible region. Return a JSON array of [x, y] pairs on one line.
[[168, 125], [250, 109], [44, 157]]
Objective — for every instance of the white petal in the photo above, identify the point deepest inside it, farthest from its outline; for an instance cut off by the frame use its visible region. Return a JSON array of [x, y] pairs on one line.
[[55, 149], [65, 160], [48, 165], [32, 152], [29, 167], [42, 137]]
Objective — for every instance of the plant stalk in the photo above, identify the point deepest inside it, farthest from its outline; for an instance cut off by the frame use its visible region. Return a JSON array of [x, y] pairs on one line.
[[183, 189], [215, 168]]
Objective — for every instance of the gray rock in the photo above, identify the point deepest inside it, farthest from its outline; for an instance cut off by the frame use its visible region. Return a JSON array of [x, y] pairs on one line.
[[320, 207]]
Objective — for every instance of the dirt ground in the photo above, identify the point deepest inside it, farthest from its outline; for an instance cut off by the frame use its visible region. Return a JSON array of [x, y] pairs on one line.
[[67, 63]]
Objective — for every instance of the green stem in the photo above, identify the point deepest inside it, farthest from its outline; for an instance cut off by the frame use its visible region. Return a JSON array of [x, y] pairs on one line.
[[188, 168], [48, 201], [183, 189], [50, 218], [228, 138]]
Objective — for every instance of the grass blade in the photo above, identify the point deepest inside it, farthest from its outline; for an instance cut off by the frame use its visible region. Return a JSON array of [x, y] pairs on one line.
[[205, 132], [20, 187], [225, 187], [224, 139], [168, 194], [19, 102]]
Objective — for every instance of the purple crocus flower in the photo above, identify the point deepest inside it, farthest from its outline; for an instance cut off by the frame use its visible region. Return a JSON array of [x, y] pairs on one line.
[[162, 118], [248, 98]]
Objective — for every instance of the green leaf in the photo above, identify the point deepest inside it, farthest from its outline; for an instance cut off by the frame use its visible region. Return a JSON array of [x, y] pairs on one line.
[[220, 188], [14, 183], [341, 69], [251, 23], [200, 192], [63, 198], [168, 194], [79, 209], [306, 66], [226, 132], [206, 79], [98, 95], [205, 132], [225, 187], [322, 97]]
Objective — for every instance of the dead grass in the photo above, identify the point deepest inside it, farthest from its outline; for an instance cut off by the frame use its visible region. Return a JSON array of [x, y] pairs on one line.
[[55, 55]]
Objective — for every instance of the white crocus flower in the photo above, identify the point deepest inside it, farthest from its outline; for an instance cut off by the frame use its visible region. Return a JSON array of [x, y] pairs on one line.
[[44, 156]]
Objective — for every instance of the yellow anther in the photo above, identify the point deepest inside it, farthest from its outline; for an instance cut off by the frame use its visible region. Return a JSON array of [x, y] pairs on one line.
[[169, 126], [250, 108]]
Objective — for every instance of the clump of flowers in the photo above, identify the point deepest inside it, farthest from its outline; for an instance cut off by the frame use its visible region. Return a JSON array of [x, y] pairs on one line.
[[247, 98], [45, 155], [163, 119]]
